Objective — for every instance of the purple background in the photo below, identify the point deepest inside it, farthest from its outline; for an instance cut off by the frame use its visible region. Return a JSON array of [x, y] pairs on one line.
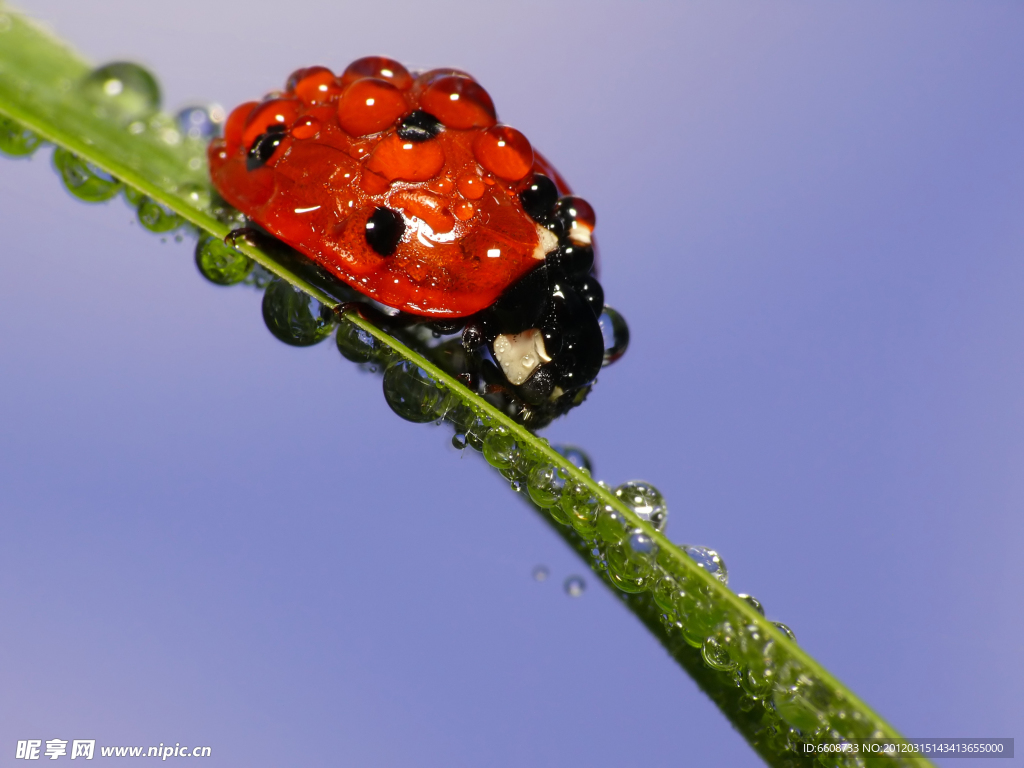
[[811, 213]]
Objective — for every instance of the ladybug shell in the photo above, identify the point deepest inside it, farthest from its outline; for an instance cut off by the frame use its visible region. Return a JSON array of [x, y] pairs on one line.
[[313, 165]]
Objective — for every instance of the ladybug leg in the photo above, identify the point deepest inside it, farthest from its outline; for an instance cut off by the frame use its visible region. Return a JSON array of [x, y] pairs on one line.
[[248, 235]]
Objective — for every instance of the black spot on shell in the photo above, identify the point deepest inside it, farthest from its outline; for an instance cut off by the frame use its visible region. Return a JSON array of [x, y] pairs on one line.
[[419, 126], [384, 229], [264, 147]]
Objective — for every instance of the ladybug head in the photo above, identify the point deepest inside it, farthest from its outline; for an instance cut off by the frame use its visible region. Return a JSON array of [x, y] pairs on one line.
[[543, 331]]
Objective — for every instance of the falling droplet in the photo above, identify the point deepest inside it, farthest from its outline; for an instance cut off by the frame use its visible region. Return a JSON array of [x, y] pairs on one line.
[[295, 317], [199, 122], [219, 263], [84, 180], [540, 573], [709, 560], [575, 586], [752, 601], [646, 501], [156, 217], [616, 334], [16, 140], [413, 394], [123, 91]]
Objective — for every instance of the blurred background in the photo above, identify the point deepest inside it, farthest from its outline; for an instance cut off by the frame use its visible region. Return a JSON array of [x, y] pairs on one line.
[[812, 216]]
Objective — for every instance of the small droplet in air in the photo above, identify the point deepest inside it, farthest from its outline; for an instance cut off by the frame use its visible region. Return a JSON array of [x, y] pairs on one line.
[[540, 573], [575, 586]]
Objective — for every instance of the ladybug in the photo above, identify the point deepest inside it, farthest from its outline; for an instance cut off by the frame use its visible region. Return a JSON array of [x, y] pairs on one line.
[[407, 188]]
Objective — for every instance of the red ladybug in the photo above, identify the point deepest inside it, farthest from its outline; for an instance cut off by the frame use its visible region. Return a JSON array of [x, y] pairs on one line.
[[408, 189]]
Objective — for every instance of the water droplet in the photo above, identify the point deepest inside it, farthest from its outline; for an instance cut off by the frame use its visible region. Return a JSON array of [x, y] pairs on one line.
[[84, 180], [546, 484], [199, 122], [616, 334], [575, 586], [123, 91], [785, 630], [358, 345], [803, 704], [156, 217], [575, 456], [459, 442], [642, 544], [16, 140], [540, 573], [500, 448], [709, 560], [219, 263], [295, 317], [753, 602], [716, 655], [646, 501], [612, 526], [413, 393], [628, 569], [580, 507]]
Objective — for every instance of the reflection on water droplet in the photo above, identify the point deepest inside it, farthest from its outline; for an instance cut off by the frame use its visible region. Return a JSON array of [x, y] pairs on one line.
[[753, 601], [716, 656], [123, 91], [616, 334], [459, 442], [575, 456], [540, 573], [546, 484], [500, 448], [295, 317], [358, 345], [646, 501], [641, 543], [785, 630], [84, 180], [156, 217], [413, 394], [16, 140], [709, 560], [219, 263], [575, 586], [199, 122]]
